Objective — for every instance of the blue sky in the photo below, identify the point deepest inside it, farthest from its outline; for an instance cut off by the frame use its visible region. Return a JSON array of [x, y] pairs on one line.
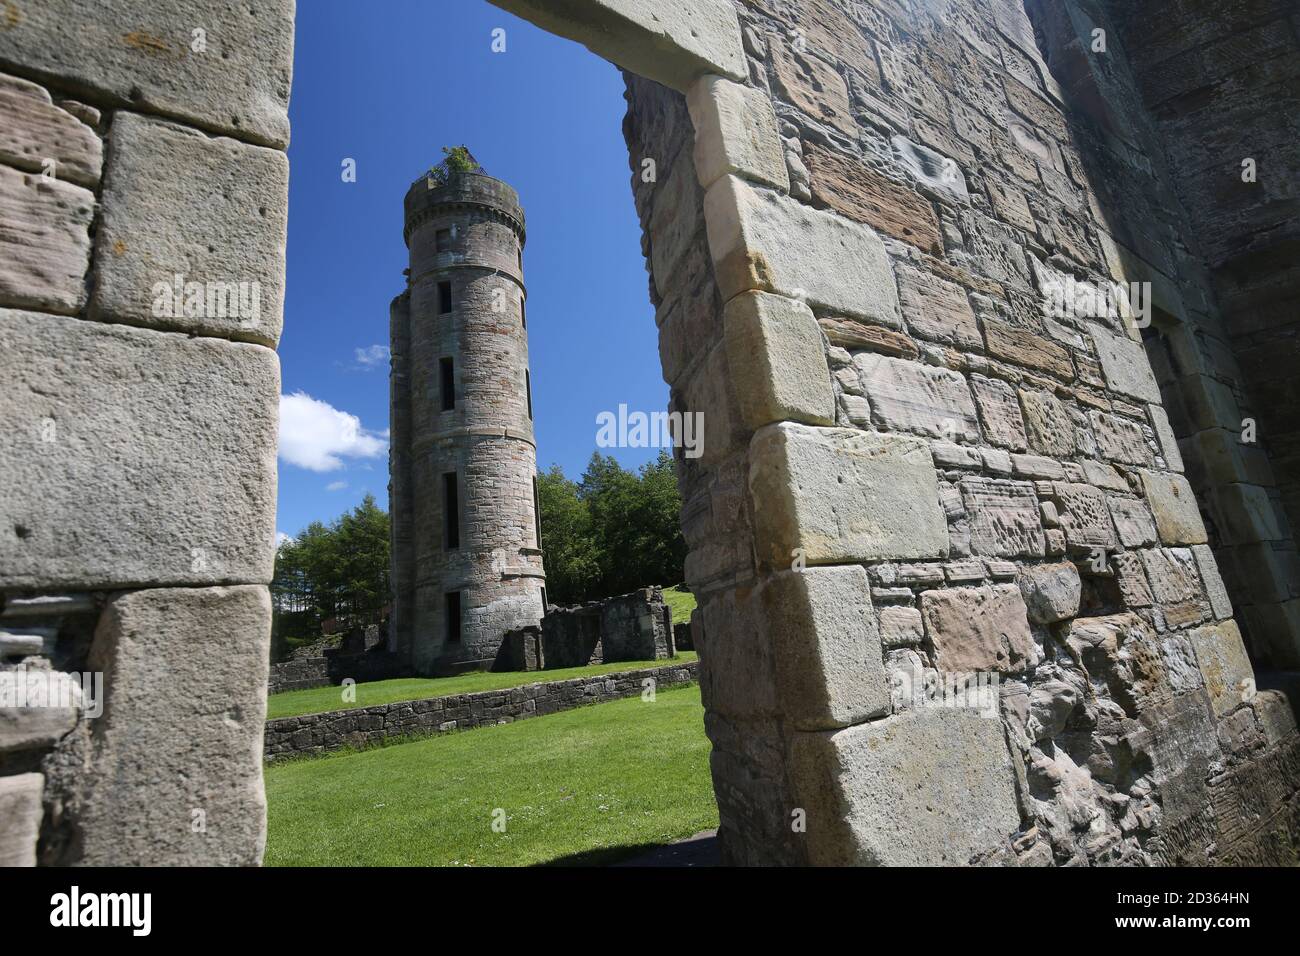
[[388, 85]]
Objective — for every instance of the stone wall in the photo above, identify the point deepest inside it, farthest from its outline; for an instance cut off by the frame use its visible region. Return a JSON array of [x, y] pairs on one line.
[[630, 627], [366, 726], [143, 200], [914, 466]]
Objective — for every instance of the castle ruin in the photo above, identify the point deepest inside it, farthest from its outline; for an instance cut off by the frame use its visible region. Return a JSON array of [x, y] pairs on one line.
[[466, 543]]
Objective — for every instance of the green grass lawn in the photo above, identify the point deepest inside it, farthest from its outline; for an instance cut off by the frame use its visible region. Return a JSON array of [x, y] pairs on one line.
[[589, 785], [316, 700], [681, 601]]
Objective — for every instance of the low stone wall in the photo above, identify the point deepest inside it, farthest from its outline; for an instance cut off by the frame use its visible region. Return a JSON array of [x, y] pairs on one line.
[[362, 726], [629, 627]]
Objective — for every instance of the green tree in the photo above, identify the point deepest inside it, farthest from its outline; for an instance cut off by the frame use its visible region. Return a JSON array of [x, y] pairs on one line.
[[611, 532]]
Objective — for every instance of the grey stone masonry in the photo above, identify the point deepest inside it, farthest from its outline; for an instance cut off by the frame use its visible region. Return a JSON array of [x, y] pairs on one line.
[[365, 726], [462, 430]]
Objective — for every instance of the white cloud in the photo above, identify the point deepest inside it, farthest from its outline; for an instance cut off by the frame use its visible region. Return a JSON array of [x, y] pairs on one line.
[[372, 356], [317, 436], [336, 486], [281, 538]]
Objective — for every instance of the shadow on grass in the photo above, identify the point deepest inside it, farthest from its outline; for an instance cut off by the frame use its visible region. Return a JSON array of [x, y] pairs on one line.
[[700, 850]]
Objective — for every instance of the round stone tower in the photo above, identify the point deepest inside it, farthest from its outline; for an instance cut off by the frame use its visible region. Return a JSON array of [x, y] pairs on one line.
[[467, 563]]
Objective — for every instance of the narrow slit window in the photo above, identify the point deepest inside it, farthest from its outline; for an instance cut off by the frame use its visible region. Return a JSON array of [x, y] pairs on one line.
[[444, 297], [528, 393], [447, 375], [537, 517], [453, 617], [451, 510], [523, 313]]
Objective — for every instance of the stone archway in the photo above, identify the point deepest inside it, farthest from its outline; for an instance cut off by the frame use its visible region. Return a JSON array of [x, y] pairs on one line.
[[903, 468]]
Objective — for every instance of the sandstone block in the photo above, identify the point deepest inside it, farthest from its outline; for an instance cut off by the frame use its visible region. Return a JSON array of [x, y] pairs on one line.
[[901, 627], [853, 189], [735, 133], [185, 673], [932, 169], [1085, 519], [1004, 518], [1048, 426], [1209, 569], [144, 56], [211, 211], [1165, 434], [777, 361], [840, 495], [134, 457], [836, 264], [33, 131], [813, 87], [1133, 522], [51, 706], [1178, 519], [1120, 439], [1221, 656], [20, 818], [908, 396], [1026, 347], [999, 412], [1124, 363], [44, 242], [927, 788], [1051, 591], [829, 662], [978, 629]]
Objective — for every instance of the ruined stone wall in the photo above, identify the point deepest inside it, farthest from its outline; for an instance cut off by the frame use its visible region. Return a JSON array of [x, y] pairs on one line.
[[486, 439], [957, 482], [142, 181], [628, 627]]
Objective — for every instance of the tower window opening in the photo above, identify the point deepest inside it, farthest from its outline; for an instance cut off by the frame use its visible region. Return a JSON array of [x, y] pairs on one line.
[[528, 393], [537, 517], [453, 617], [523, 313], [444, 297], [447, 376], [451, 510]]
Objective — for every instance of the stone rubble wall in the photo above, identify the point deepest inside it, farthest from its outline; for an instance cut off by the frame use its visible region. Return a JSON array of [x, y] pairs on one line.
[[366, 726], [137, 462]]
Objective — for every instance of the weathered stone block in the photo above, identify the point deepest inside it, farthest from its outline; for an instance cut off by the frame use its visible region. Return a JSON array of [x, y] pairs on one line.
[[1120, 439], [1165, 435], [901, 627], [735, 133], [144, 55], [829, 662], [1178, 519], [134, 457], [999, 412], [1051, 591], [1048, 426], [1209, 569], [840, 495], [20, 818], [51, 706], [1221, 656], [185, 673], [813, 87], [1133, 522], [44, 242], [1124, 363], [34, 132], [777, 361], [853, 189], [911, 397], [192, 234], [930, 787], [1085, 519], [1004, 518], [1028, 348], [979, 629], [837, 264]]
